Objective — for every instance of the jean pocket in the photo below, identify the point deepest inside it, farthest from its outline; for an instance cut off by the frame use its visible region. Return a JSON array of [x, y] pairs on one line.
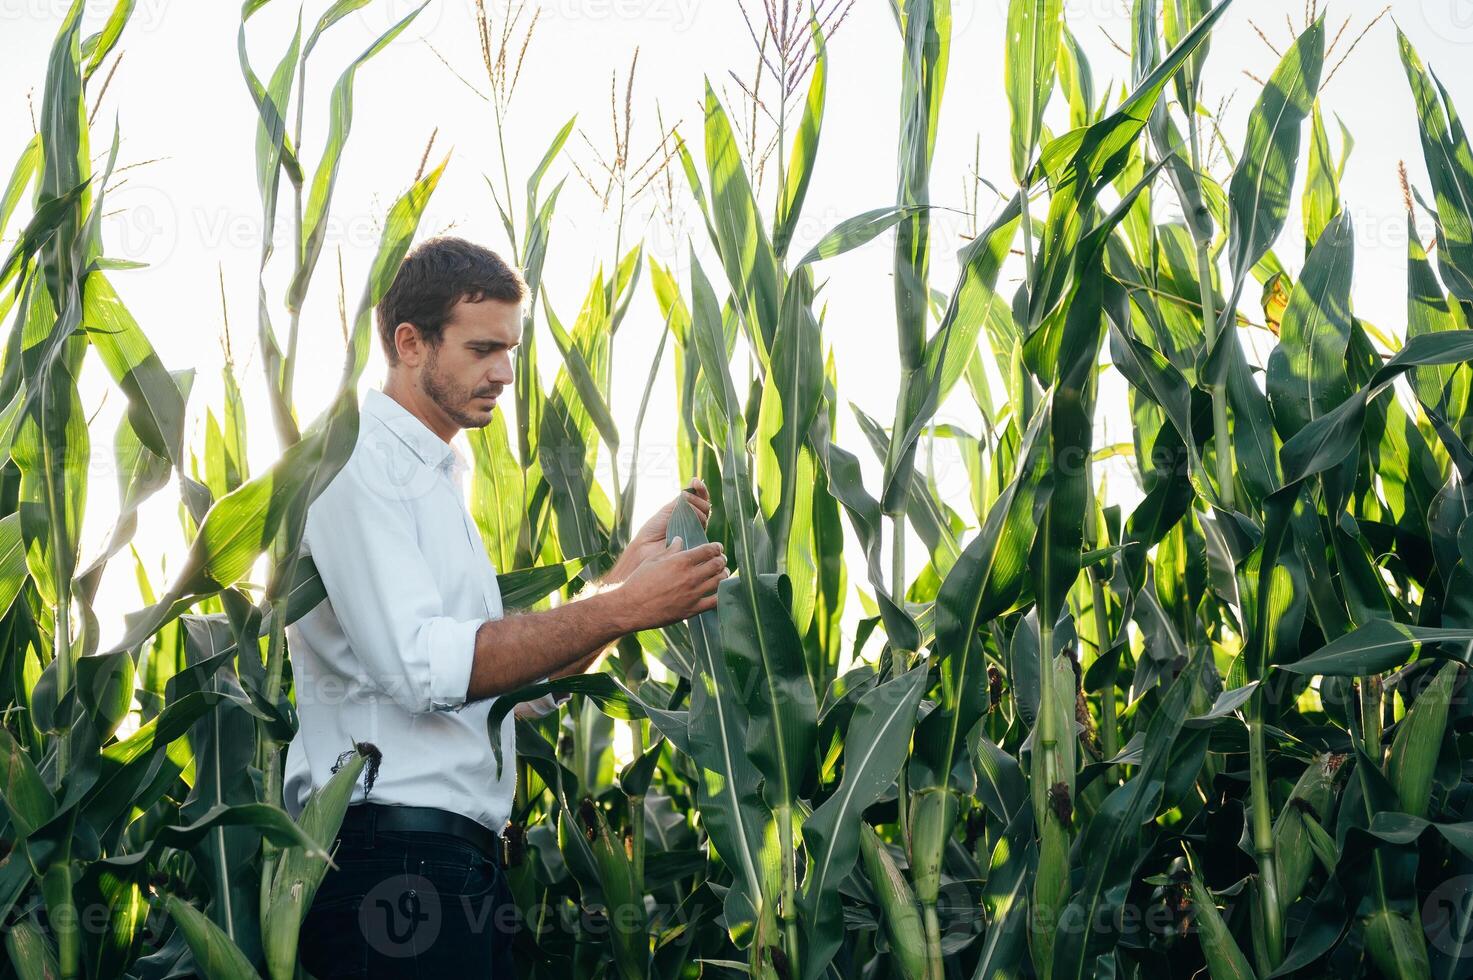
[[458, 870]]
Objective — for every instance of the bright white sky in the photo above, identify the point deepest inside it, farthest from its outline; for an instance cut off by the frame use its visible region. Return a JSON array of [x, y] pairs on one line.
[[190, 207]]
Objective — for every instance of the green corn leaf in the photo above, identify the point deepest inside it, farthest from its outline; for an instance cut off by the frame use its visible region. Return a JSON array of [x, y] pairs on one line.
[[1428, 311], [1258, 197], [603, 689], [1076, 80], [1327, 440], [858, 230], [274, 154], [730, 788], [1450, 166], [989, 576], [97, 47], [271, 821], [155, 406], [1179, 17], [1321, 200], [876, 743], [926, 31], [1306, 371], [1418, 742], [12, 560], [789, 402], [1033, 32], [26, 167], [27, 800], [590, 403], [710, 342], [324, 180], [1111, 836], [845, 481], [1375, 648], [498, 491], [1403, 828], [746, 253], [51, 449], [973, 300], [330, 17], [765, 657], [805, 148]]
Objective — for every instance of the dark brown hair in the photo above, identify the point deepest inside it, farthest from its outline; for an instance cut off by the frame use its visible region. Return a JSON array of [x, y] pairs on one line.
[[434, 276]]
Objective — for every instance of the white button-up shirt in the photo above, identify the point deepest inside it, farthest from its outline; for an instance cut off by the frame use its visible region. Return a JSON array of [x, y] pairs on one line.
[[386, 658]]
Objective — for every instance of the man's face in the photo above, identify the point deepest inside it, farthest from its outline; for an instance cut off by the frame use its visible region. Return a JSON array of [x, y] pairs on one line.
[[465, 373]]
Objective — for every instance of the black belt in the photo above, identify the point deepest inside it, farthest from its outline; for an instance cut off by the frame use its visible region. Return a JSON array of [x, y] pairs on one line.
[[371, 817]]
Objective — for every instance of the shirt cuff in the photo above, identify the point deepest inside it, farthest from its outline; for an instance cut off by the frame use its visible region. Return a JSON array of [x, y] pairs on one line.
[[544, 705], [451, 655]]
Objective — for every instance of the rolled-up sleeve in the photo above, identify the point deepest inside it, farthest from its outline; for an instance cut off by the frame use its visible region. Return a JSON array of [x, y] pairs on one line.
[[384, 595]]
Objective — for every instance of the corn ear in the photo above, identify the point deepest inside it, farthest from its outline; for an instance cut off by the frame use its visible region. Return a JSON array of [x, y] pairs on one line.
[[1396, 946], [1047, 795], [299, 874], [624, 905], [30, 954], [1313, 793], [1418, 742], [897, 903], [1053, 809], [932, 816], [1050, 893], [1225, 961], [214, 954], [1322, 844]]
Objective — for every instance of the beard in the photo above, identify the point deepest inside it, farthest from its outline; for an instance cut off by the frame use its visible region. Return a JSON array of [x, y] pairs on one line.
[[452, 397]]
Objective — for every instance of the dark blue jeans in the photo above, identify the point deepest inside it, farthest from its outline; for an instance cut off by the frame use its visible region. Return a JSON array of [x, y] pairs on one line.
[[409, 904]]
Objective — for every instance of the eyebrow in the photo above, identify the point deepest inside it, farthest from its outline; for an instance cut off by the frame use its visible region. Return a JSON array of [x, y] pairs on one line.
[[493, 344]]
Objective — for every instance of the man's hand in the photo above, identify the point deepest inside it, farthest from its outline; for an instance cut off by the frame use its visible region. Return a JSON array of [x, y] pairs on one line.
[[515, 651], [672, 586], [649, 541]]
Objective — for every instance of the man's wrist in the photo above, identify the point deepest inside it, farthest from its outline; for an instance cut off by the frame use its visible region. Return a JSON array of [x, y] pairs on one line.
[[622, 568], [612, 609]]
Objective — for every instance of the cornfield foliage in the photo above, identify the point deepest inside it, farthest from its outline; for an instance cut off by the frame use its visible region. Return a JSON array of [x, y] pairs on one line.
[[1223, 731]]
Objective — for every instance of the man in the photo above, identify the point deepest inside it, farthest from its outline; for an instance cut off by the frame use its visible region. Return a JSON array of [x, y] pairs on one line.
[[411, 646]]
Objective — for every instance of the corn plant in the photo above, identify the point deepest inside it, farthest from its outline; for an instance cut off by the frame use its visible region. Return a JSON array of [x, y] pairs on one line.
[[1222, 731]]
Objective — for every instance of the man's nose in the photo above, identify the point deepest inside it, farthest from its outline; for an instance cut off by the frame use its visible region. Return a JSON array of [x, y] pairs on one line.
[[501, 370]]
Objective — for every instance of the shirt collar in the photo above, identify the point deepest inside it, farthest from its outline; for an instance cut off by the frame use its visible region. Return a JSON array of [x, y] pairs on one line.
[[433, 451]]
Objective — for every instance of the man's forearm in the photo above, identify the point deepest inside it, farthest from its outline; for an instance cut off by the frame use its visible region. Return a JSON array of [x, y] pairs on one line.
[[610, 579], [522, 649]]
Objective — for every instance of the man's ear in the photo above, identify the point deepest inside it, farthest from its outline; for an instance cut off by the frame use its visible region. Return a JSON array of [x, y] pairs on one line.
[[409, 344]]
